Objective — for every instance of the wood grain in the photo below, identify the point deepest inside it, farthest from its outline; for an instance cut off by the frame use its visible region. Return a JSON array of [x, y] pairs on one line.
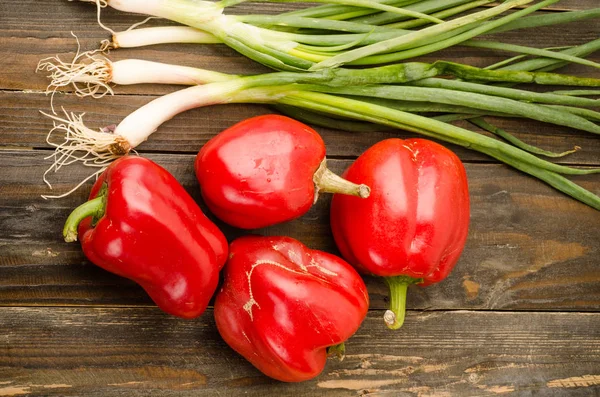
[[28, 35], [22, 126], [519, 315], [528, 247], [141, 352], [24, 41]]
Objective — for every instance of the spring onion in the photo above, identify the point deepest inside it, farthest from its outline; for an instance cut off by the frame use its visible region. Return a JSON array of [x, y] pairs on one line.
[[314, 91], [307, 46], [255, 37]]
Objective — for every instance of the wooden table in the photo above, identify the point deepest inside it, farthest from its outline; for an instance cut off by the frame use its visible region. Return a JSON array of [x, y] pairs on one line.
[[519, 314]]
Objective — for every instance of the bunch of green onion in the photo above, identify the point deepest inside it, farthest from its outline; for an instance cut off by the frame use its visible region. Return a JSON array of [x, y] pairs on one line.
[[307, 47]]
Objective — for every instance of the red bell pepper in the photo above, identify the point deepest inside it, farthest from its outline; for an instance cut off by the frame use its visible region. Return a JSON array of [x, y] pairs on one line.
[[282, 305], [140, 223], [413, 227], [266, 170]]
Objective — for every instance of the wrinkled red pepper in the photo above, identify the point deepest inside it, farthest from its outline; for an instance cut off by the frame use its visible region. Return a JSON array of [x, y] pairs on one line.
[[266, 170], [282, 305], [413, 227], [140, 223]]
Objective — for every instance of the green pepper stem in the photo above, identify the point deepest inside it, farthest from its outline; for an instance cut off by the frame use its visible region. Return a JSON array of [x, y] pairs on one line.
[[93, 207], [394, 317], [328, 182], [339, 351]]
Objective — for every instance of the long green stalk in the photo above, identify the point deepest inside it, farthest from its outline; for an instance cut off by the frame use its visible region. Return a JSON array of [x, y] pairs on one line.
[[481, 123], [267, 56], [397, 43], [546, 64], [529, 51], [331, 10], [516, 58], [585, 113], [428, 7], [434, 128], [555, 18], [324, 120], [555, 180], [512, 93], [311, 23], [423, 125], [417, 71], [412, 49], [383, 116], [473, 73], [426, 107], [441, 14], [576, 92], [378, 6], [364, 55], [468, 99]]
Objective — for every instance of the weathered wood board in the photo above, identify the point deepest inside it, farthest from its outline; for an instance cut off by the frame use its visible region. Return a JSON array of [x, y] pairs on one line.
[[141, 352], [524, 241], [519, 315]]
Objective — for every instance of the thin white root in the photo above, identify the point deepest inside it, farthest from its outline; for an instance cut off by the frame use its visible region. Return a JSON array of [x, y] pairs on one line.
[[100, 4], [135, 25], [89, 74], [81, 144], [106, 45], [94, 175]]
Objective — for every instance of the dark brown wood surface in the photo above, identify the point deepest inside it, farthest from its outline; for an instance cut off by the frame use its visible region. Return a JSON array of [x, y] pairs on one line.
[[518, 315]]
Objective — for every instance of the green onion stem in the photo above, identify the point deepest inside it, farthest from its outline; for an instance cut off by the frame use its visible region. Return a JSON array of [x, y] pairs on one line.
[[260, 54], [507, 61], [519, 160], [512, 93], [332, 10], [481, 123], [415, 47], [364, 55], [585, 113], [468, 99], [467, 72], [543, 63], [529, 51], [576, 92], [429, 7], [312, 23], [427, 107], [554, 18], [323, 120], [433, 128], [555, 180], [380, 7], [441, 14], [396, 43], [448, 118]]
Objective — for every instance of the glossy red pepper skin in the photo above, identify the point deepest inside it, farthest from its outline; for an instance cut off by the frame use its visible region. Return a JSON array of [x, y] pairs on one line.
[[154, 233], [415, 223], [261, 171], [281, 305]]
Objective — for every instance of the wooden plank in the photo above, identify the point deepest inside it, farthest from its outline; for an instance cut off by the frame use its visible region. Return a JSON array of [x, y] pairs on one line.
[[138, 352], [28, 35], [26, 42], [528, 248], [21, 125]]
